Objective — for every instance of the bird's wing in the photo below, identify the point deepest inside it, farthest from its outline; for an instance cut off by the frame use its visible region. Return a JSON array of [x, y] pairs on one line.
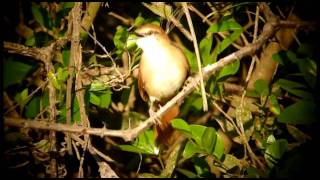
[[141, 88]]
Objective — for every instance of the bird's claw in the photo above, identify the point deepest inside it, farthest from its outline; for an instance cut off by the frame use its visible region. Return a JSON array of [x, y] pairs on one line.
[[156, 118]]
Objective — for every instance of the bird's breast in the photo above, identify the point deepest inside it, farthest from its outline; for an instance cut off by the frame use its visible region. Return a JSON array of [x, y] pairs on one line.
[[163, 71]]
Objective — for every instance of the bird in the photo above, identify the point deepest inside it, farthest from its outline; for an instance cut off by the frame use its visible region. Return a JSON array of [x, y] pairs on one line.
[[163, 69]]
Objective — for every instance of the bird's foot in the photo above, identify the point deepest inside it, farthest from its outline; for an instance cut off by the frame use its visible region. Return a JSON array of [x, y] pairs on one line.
[[156, 118]]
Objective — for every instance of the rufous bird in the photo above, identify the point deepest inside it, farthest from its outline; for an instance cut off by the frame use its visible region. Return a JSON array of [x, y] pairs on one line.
[[162, 72]]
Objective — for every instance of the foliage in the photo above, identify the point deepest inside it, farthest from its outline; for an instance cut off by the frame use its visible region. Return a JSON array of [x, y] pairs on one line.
[[280, 119]]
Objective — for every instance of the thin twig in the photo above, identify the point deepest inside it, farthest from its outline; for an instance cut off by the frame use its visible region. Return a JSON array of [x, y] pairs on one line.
[[195, 44]]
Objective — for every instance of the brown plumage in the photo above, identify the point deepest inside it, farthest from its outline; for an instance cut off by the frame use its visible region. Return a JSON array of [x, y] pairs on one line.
[[163, 70]]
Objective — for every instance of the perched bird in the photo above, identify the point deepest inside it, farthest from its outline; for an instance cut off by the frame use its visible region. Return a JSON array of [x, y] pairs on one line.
[[162, 72]]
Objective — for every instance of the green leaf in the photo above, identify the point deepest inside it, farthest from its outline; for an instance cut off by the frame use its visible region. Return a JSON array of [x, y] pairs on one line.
[[33, 107], [292, 57], [205, 48], [190, 149], [21, 97], [209, 139], [120, 38], [187, 173], [93, 59], [14, 72], [53, 79], [37, 14], [139, 21], [197, 133], [278, 58], [66, 57], [143, 144], [197, 103], [191, 59], [302, 112], [94, 99], [131, 148], [230, 69], [68, 5], [294, 88], [275, 151], [131, 42], [261, 87], [274, 107], [125, 95], [308, 67], [45, 99], [31, 41], [181, 125], [286, 84], [201, 166], [252, 172], [62, 74], [226, 24], [101, 98], [24, 94], [97, 86], [105, 99], [218, 150]]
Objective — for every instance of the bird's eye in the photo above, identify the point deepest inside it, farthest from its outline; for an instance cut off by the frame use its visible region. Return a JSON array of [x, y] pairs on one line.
[[150, 33]]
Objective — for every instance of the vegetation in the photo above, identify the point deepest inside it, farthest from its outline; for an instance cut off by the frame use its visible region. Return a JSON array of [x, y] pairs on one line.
[[71, 106]]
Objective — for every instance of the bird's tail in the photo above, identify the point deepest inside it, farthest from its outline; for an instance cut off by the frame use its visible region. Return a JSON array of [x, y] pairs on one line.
[[164, 132]]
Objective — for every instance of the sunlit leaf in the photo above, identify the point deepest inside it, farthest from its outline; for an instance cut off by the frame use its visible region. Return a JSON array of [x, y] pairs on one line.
[[62, 74], [274, 107], [190, 149], [139, 21], [218, 150], [205, 48], [226, 24], [97, 86], [53, 79], [181, 125], [105, 99], [120, 38], [197, 132], [101, 98], [209, 139], [191, 59], [22, 98], [143, 144], [228, 70]]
